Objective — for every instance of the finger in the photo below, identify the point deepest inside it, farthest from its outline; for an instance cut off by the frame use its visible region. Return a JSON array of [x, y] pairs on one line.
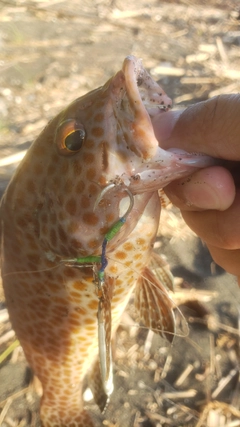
[[211, 127], [210, 188], [229, 260], [216, 228]]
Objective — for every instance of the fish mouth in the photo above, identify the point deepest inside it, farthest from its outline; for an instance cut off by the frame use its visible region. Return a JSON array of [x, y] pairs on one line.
[[139, 100], [143, 100]]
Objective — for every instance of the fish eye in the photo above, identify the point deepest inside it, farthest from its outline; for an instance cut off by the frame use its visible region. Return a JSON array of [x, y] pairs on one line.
[[74, 140], [70, 136]]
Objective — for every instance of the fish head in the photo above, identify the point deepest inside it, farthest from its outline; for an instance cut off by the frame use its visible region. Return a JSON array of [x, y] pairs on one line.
[[114, 124], [105, 137]]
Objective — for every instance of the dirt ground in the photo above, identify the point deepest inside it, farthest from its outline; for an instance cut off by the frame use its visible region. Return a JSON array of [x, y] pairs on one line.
[[53, 52]]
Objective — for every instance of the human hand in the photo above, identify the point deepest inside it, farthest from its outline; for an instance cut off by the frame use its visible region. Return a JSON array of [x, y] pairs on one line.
[[210, 199]]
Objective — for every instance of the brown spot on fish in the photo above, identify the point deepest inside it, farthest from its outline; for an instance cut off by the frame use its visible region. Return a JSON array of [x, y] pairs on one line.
[[61, 234], [90, 174], [92, 189], [38, 169], [30, 186], [90, 218], [93, 305], [113, 269], [90, 143], [97, 132], [77, 168], [75, 244], [110, 217], [120, 255], [103, 230], [69, 272], [93, 243], [128, 246], [74, 322], [79, 285], [140, 241], [71, 206], [89, 320], [137, 256], [127, 263], [105, 149], [119, 291], [79, 188], [88, 158]]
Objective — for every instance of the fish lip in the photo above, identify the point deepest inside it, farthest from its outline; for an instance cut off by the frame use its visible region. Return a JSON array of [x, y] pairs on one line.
[[146, 100]]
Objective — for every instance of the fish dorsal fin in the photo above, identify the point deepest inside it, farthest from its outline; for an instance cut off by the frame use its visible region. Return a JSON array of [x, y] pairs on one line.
[[161, 270], [154, 306]]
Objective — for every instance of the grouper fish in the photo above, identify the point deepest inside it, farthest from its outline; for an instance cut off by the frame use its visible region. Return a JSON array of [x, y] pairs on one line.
[[78, 222]]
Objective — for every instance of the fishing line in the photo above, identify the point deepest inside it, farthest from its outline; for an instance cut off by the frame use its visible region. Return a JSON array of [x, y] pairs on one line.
[[12, 273], [83, 265]]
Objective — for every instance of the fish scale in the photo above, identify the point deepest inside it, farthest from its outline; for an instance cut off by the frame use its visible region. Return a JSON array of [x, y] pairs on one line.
[[51, 216]]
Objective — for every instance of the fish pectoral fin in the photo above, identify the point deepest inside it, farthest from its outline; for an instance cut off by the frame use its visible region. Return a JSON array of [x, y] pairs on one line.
[[161, 270], [154, 306]]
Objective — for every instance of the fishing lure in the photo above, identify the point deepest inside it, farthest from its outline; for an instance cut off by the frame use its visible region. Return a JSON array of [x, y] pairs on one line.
[[104, 305]]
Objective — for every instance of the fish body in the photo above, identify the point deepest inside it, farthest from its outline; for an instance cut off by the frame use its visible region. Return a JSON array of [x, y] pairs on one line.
[[55, 212]]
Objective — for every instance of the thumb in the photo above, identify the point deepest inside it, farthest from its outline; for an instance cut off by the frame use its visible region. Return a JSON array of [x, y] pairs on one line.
[[211, 127]]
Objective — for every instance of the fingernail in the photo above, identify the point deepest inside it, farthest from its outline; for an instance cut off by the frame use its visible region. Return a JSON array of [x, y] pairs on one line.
[[201, 195]]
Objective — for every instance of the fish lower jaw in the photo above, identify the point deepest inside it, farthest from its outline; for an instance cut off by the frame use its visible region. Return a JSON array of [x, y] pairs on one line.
[[165, 168]]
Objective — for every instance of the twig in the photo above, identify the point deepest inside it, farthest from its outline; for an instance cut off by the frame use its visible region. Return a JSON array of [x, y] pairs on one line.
[[14, 158], [187, 371], [224, 382], [14, 396], [222, 51], [4, 316], [166, 366], [179, 394], [9, 350], [5, 409], [6, 337]]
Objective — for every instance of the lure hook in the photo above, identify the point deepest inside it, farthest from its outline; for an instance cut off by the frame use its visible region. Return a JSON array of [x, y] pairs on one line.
[[109, 187]]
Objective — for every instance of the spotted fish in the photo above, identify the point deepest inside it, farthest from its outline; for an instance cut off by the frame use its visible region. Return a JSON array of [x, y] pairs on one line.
[[92, 161]]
